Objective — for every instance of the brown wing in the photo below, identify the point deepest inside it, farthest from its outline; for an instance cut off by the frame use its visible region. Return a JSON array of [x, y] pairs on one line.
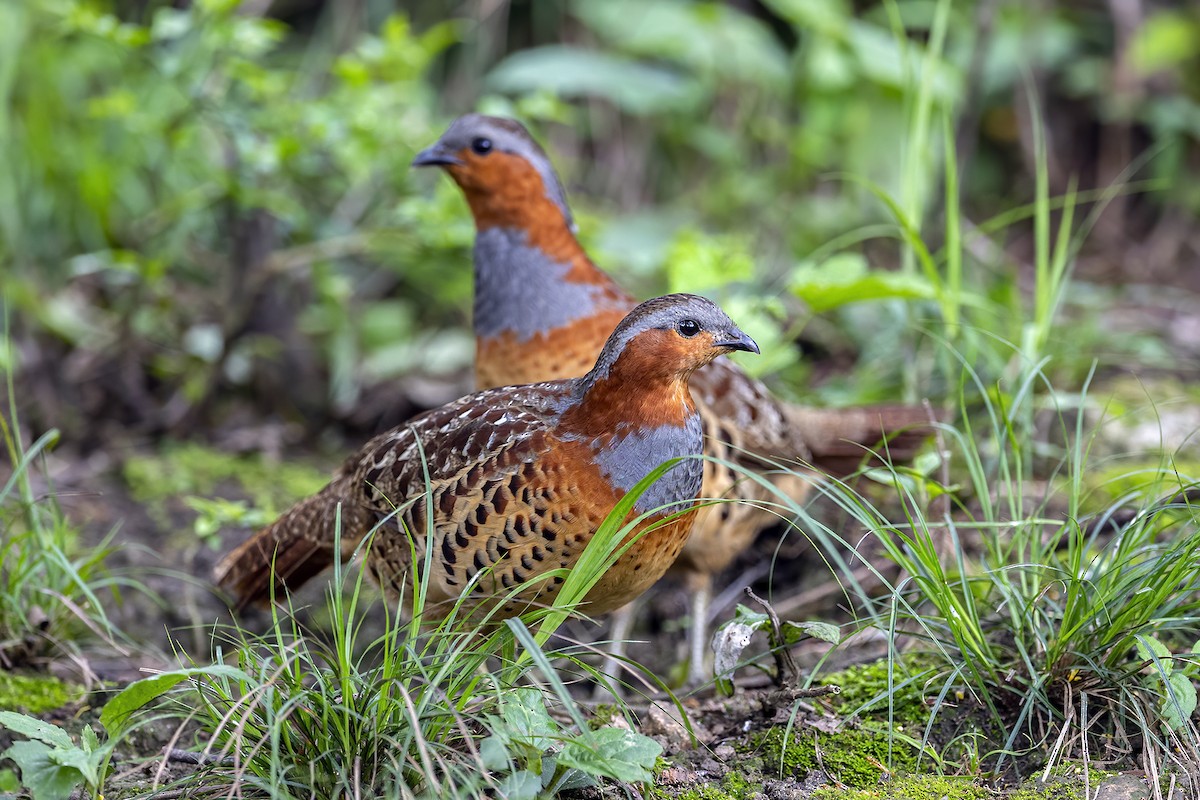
[[509, 500], [472, 436]]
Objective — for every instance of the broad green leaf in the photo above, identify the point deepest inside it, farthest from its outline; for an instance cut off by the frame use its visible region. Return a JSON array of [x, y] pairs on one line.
[[88, 740], [1152, 649], [494, 754], [35, 728], [828, 20], [523, 727], [117, 711], [1180, 701], [521, 785], [75, 758], [9, 782], [845, 279], [574, 72], [748, 616], [795, 631], [1167, 39], [44, 779], [618, 754], [715, 39], [699, 263]]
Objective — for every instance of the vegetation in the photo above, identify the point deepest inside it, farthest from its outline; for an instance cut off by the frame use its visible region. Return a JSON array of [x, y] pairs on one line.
[[213, 248]]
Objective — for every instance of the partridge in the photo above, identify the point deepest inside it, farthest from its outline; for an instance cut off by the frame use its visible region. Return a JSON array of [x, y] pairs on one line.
[[519, 479], [543, 309]]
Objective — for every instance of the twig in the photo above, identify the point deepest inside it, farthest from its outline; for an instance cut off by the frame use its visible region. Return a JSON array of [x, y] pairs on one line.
[[787, 674], [199, 759]]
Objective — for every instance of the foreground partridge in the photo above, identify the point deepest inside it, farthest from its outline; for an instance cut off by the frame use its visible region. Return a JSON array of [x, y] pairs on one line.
[[519, 479], [543, 311]]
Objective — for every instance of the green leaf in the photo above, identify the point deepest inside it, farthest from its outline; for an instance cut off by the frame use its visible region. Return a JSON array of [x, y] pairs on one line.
[[828, 20], [617, 753], [523, 719], [45, 779], [117, 711], [748, 616], [9, 782], [1166, 40], [34, 728], [697, 262], [795, 631], [1179, 701], [574, 72], [709, 38], [83, 762], [1152, 649], [844, 279], [521, 785], [494, 754], [88, 740]]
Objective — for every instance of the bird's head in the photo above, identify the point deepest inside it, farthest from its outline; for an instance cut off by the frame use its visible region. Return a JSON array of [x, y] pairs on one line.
[[668, 338], [507, 177]]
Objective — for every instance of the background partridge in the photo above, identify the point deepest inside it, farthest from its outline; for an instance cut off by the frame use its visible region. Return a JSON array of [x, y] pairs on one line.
[[520, 478], [543, 310]]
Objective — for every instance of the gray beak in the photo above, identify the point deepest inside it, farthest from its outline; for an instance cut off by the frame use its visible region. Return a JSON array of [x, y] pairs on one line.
[[736, 340], [435, 155]]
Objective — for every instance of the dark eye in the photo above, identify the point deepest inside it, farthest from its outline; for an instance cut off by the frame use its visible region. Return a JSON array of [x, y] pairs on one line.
[[689, 328], [481, 145]]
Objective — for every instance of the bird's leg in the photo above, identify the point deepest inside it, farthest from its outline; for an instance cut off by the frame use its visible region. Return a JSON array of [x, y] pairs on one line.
[[614, 662], [700, 586]]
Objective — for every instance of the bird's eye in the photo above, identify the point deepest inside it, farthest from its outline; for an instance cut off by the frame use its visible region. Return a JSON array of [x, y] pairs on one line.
[[481, 145], [689, 328]]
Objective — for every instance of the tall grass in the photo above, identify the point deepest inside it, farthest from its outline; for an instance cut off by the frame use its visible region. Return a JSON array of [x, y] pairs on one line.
[[54, 590], [454, 706], [1066, 624]]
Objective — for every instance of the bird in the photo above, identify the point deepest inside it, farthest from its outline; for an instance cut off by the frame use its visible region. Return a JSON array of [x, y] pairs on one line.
[[519, 478], [542, 310]]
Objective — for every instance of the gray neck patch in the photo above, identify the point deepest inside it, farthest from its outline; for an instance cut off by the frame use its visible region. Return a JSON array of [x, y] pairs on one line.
[[519, 290], [635, 454]]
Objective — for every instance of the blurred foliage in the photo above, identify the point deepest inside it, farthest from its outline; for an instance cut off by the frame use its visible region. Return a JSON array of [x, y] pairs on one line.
[[213, 200], [184, 196]]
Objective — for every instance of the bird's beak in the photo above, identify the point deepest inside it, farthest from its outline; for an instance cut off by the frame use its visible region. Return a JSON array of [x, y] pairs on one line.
[[736, 340], [436, 155]]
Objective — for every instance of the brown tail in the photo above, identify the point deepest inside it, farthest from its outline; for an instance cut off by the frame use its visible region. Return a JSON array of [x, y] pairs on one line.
[[842, 440], [285, 554]]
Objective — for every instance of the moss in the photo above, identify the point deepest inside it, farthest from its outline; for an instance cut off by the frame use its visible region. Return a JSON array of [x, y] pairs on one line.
[[737, 785], [1055, 788], [734, 786], [1066, 782], [1162, 478], [857, 758], [868, 683], [35, 694], [9, 782], [180, 470], [604, 714], [1074, 771], [911, 787]]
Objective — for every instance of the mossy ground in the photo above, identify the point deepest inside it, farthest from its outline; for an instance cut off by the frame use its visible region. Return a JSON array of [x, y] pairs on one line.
[[867, 749], [872, 688], [190, 474], [854, 757], [35, 694], [911, 787]]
